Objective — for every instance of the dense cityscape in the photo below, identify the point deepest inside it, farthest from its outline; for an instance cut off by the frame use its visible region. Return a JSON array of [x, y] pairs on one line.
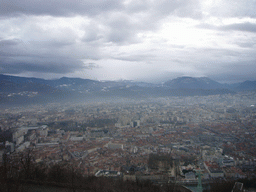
[[168, 139], [127, 96]]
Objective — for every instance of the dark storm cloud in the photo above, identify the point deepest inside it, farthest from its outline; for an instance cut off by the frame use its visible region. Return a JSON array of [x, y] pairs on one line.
[[7, 48], [17, 57], [57, 7], [89, 7], [5, 43], [246, 44], [218, 52], [248, 27], [16, 65], [53, 43]]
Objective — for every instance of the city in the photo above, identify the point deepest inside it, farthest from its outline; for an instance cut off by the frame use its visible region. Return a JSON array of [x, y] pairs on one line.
[[166, 139], [128, 95]]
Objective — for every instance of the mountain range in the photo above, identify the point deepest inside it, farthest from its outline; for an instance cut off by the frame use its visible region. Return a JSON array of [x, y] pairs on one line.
[[23, 90]]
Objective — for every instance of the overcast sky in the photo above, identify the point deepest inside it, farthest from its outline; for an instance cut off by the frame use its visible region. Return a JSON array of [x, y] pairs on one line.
[[141, 40]]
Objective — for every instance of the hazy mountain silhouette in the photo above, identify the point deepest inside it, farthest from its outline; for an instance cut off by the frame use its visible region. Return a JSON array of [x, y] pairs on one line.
[[15, 90], [193, 83]]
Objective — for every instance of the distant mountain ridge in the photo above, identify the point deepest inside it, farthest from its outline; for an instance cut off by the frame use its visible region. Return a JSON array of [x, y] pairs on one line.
[[246, 85], [208, 84], [15, 89], [193, 83]]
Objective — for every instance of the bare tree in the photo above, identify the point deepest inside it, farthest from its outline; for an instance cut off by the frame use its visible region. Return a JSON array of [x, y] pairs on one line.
[[26, 161]]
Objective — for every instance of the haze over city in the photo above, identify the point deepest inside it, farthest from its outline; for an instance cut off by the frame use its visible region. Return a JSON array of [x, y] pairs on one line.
[[151, 41], [128, 95]]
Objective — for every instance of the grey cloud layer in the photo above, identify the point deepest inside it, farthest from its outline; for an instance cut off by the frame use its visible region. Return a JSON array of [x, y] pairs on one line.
[[249, 27], [89, 7], [190, 8], [17, 57], [34, 39], [246, 26], [233, 8], [16, 65], [57, 7], [110, 21]]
